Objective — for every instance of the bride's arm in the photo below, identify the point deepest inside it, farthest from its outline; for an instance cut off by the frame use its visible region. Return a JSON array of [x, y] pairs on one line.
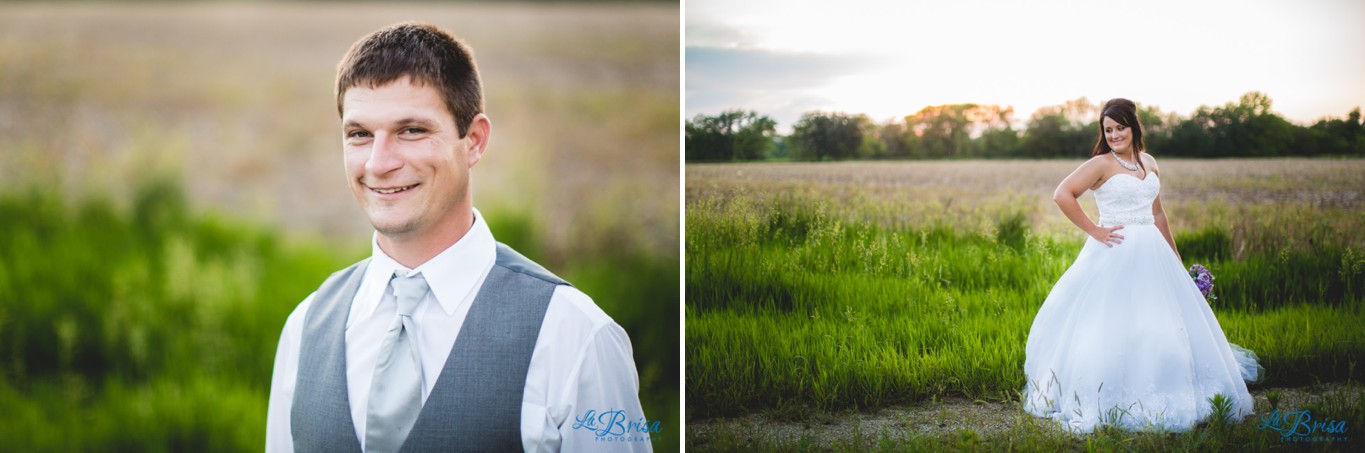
[[1159, 214], [1072, 187]]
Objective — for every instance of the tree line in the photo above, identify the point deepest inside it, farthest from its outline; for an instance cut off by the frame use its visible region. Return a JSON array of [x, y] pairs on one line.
[[1246, 128]]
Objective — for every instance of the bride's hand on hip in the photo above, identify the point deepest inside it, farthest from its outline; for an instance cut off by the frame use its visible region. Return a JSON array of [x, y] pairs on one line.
[[1107, 235]]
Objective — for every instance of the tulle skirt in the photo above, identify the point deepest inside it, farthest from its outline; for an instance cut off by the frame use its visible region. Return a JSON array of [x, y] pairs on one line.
[[1126, 339]]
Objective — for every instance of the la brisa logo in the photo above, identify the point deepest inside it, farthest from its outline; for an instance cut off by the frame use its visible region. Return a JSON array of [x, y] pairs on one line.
[[615, 425], [1301, 426]]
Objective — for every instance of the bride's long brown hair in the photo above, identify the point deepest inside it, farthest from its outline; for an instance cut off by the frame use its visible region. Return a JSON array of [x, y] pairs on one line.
[[1124, 112]]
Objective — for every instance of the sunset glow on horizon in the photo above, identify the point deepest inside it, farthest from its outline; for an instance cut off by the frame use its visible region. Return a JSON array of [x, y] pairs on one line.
[[891, 59]]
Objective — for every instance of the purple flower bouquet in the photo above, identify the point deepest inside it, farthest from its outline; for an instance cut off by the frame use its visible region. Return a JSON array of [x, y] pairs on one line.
[[1203, 279]]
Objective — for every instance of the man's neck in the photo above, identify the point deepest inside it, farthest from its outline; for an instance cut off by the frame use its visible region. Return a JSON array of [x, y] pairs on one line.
[[414, 249]]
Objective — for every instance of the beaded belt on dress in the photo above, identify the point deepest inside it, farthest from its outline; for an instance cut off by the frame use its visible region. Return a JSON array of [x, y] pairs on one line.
[[1131, 219]]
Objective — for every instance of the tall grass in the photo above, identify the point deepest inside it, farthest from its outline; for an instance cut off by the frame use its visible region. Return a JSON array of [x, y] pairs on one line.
[[154, 327], [145, 327], [790, 304]]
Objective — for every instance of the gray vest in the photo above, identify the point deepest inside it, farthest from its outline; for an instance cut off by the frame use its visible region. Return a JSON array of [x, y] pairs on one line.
[[474, 405]]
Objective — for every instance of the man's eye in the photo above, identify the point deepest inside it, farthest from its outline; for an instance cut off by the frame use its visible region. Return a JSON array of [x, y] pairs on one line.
[[414, 130], [357, 134]]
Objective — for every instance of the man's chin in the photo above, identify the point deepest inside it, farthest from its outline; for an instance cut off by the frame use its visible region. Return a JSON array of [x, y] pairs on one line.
[[392, 227]]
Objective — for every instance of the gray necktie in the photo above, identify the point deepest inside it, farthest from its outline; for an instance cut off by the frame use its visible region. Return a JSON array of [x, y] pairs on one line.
[[396, 391]]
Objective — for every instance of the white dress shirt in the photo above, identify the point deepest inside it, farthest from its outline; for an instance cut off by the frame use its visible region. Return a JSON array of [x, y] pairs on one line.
[[582, 359]]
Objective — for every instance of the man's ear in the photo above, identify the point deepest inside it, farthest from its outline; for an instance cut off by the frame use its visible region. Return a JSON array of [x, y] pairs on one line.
[[480, 130]]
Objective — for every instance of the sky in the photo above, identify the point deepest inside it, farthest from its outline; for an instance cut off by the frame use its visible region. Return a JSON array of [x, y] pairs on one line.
[[889, 59]]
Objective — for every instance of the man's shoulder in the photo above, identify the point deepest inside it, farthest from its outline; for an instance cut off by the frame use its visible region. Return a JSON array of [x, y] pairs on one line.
[[570, 303], [512, 260], [569, 307]]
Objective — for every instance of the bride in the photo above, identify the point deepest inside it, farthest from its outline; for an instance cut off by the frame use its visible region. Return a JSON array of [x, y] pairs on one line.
[[1125, 338]]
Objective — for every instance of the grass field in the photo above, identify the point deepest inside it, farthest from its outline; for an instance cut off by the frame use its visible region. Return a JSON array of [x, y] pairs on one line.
[[822, 287], [171, 187]]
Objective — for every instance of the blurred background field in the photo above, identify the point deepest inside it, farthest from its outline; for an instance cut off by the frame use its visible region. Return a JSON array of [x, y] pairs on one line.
[[816, 287], [1245, 196], [171, 187]]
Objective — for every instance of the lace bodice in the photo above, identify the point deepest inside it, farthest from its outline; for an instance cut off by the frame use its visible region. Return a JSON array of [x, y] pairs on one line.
[[1126, 200]]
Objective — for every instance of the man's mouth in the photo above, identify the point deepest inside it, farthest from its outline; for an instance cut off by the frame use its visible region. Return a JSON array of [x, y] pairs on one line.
[[392, 190]]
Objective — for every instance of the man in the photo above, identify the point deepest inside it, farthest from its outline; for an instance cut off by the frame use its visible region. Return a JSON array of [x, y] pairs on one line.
[[443, 339]]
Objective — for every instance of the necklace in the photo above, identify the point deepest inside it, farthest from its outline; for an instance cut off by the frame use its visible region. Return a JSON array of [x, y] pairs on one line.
[[1130, 167]]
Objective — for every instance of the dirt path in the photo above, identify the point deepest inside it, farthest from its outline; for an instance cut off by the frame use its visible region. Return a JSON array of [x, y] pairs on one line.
[[944, 417]]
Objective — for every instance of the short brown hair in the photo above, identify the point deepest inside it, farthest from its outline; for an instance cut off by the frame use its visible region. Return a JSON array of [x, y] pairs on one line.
[[419, 50]]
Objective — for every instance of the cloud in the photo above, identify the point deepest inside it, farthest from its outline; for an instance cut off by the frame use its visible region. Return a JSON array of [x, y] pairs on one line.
[[782, 84], [766, 69], [707, 34]]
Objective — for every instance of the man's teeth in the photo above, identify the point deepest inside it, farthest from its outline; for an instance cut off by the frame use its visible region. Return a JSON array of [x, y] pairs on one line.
[[394, 190]]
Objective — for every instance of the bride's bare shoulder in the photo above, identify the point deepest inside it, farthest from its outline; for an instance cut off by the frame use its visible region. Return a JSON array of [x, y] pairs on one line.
[[1097, 163], [1088, 175], [1150, 162]]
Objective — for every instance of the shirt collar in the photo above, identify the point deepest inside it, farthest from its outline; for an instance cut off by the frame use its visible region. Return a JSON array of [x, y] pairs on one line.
[[451, 274]]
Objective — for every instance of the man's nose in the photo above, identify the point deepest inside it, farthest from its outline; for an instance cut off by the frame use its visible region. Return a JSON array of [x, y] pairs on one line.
[[384, 156]]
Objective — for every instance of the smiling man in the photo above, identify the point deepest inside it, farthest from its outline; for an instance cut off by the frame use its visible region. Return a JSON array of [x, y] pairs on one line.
[[444, 339]]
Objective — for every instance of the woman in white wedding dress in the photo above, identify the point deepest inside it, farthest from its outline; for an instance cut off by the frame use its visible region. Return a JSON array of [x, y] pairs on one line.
[[1125, 338]]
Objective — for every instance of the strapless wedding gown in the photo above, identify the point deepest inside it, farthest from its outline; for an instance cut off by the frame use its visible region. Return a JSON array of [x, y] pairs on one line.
[[1125, 338]]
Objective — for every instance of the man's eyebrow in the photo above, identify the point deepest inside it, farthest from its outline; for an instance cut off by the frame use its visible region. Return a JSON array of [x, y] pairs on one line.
[[414, 121], [409, 121]]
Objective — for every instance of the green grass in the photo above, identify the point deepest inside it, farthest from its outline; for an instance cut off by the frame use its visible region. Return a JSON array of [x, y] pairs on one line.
[[153, 327], [789, 305], [145, 328]]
